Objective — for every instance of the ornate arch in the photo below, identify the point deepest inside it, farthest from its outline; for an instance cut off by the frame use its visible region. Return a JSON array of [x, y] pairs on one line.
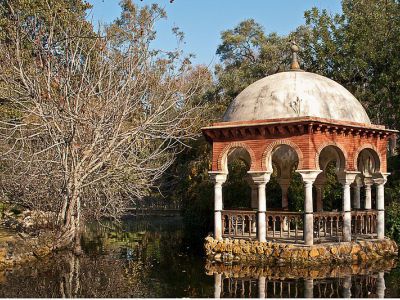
[[330, 143], [230, 146], [268, 150], [363, 147]]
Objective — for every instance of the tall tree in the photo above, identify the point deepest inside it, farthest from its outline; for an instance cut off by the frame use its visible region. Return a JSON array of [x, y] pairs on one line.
[[101, 116], [359, 49]]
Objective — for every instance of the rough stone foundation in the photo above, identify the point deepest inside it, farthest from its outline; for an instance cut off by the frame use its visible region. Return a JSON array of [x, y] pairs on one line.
[[20, 249], [288, 272], [228, 250]]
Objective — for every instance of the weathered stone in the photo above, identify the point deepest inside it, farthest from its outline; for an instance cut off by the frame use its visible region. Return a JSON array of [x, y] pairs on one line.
[[334, 250], [278, 253], [355, 249], [285, 254], [314, 253], [322, 251], [236, 249]]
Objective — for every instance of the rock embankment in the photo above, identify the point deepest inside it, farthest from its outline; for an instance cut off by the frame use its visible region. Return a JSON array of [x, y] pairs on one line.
[[25, 236], [274, 252], [20, 248]]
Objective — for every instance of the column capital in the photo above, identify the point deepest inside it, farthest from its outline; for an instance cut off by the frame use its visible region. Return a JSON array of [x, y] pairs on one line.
[[380, 178], [260, 177], [309, 176], [368, 181], [358, 182], [218, 177], [347, 177]]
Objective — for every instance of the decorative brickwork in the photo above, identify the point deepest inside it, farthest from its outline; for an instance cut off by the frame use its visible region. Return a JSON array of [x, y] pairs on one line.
[[374, 150], [307, 139], [266, 156], [327, 144], [225, 151]]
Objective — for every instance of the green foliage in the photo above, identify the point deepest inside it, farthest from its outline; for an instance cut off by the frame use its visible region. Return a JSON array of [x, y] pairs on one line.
[[296, 193], [236, 190], [273, 192], [359, 50], [393, 221], [332, 193]]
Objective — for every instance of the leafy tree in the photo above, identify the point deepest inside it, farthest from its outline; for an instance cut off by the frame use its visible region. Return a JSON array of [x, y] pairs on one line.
[[358, 48]]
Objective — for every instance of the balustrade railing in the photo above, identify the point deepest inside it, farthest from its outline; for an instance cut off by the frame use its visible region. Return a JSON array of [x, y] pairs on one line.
[[363, 222], [285, 225], [239, 223], [328, 225]]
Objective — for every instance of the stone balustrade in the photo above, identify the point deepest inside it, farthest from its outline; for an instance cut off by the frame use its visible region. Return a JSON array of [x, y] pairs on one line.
[[289, 226]]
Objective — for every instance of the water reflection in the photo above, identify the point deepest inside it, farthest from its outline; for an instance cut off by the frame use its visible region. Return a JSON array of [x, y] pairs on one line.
[[359, 281], [151, 258]]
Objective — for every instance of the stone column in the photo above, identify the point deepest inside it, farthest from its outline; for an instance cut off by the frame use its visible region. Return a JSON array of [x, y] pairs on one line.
[[308, 288], [380, 180], [309, 177], [368, 183], [261, 287], [357, 198], [319, 187], [217, 285], [219, 179], [254, 204], [347, 287], [254, 200], [284, 184], [380, 285], [347, 178], [261, 179], [254, 195]]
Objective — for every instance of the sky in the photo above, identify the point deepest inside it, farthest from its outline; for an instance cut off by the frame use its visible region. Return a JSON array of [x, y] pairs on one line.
[[202, 21]]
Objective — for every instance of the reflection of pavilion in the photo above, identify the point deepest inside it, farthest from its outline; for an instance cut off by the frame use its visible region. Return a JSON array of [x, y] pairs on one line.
[[360, 282], [350, 286], [300, 122]]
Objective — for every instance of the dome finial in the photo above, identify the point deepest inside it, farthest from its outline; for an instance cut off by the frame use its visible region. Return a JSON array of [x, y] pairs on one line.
[[294, 48]]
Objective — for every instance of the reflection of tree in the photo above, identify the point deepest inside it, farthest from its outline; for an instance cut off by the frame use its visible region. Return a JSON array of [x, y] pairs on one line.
[[141, 259], [69, 283]]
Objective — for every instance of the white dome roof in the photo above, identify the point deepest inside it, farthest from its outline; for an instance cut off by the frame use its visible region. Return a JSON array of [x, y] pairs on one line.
[[295, 94]]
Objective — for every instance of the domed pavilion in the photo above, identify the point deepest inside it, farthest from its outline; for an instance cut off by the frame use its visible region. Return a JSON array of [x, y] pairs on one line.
[[300, 121]]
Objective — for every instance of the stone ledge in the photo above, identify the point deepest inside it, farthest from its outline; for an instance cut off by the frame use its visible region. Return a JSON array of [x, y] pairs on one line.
[[228, 250]]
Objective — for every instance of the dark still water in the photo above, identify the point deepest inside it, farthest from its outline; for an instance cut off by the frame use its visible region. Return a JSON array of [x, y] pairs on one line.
[[152, 258]]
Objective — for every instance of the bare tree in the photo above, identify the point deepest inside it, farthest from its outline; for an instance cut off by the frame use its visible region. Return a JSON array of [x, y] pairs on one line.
[[101, 116]]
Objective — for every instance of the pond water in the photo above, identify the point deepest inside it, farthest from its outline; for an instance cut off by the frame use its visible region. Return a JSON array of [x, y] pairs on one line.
[[152, 257]]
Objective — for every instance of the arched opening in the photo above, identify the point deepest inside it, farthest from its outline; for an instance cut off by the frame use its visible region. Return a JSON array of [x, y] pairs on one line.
[[237, 190], [328, 190], [282, 191], [368, 163]]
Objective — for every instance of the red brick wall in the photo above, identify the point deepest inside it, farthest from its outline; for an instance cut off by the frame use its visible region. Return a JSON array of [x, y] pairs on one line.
[[309, 145]]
